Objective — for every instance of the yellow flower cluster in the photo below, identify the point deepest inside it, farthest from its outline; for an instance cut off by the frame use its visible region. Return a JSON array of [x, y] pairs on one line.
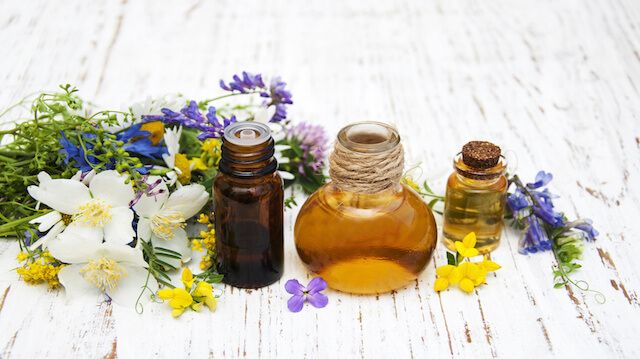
[[467, 275], [210, 157], [411, 183], [192, 297], [39, 268], [207, 242]]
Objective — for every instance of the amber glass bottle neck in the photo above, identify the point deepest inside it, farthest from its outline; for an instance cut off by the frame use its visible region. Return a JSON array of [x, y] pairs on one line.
[[477, 176], [248, 161]]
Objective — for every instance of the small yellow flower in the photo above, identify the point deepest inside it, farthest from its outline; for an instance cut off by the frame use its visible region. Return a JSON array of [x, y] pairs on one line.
[[22, 256], [156, 130], [471, 276], [196, 163], [182, 164], [187, 278], [211, 145], [488, 266], [204, 219], [447, 275], [409, 182], [196, 245], [179, 299], [466, 246], [204, 293]]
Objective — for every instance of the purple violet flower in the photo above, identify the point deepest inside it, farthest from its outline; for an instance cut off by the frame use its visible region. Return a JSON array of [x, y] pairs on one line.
[[275, 95], [542, 179], [586, 226], [310, 294], [313, 142], [191, 117], [536, 238]]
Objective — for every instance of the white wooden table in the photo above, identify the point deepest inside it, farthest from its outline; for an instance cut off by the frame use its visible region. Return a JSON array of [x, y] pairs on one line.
[[556, 82]]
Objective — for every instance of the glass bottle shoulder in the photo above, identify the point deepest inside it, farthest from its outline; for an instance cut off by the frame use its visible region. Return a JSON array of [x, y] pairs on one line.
[[458, 182]]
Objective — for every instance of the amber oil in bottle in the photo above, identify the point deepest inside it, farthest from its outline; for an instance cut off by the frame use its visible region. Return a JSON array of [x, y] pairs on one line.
[[363, 242], [248, 208], [475, 196]]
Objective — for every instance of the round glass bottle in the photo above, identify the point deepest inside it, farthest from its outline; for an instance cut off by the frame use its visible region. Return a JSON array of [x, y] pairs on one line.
[[475, 196], [365, 232], [248, 208]]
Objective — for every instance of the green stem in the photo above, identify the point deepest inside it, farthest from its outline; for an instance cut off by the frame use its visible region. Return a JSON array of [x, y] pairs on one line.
[[9, 226], [205, 102]]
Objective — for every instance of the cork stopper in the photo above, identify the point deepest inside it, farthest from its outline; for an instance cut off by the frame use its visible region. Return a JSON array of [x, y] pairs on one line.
[[480, 154]]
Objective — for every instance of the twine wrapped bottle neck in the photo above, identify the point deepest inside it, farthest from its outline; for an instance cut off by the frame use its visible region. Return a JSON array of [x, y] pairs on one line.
[[367, 158]]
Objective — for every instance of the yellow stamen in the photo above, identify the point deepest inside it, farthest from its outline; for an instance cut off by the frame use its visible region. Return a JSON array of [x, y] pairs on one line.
[[104, 273], [165, 223], [95, 213], [156, 130]]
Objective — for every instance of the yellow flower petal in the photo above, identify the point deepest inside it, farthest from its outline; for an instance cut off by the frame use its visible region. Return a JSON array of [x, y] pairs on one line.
[[182, 163], [489, 265], [156, 130], [469, 240], [479, 280], [440, 284], [177, 312], [181, 299], [467, 252], [165, 294], [467, 285], [445, 270], [212, 303], [196, 307], [187, 278]]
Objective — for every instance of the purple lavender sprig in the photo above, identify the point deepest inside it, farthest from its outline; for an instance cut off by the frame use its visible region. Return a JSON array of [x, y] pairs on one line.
[[190, 116], [276, 94]]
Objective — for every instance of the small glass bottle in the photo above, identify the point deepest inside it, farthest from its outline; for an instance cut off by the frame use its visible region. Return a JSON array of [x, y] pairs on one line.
[[365, 232], [248, 208], [475, 196]]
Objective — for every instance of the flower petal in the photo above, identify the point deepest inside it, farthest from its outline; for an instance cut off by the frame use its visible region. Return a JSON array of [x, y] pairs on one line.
[[47, 221], [469, 240], [144, 229], [295, 303], [179, 244], [126, 255], [188, 200], [63, 195], [467, 285], [318, 300], [147, 206], [316, 285], [110, 186], [74, 283], [130, 286], [53, 233], [294, 287], [119, 229], [440, 284], [76, 243]]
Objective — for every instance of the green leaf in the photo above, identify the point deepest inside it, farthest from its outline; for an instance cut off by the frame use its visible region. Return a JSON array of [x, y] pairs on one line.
[[451, 259]]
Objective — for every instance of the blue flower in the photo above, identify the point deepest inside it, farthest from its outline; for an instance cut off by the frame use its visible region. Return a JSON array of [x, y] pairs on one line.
[[247, 83], [535, 239], [586, 226], [76, 154], [190, 116], [542, 179], [545, 212], [517, 201], [137, 141]]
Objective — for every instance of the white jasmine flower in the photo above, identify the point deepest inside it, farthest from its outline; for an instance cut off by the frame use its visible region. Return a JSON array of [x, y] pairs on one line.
[[93, 213], [172, 141], [163, 216], [113, 269]]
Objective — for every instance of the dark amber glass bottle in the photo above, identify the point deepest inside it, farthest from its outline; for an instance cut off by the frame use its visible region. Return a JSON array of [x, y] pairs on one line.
[[248, 208]]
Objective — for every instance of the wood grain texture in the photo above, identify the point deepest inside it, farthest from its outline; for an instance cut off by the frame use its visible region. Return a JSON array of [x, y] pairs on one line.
[[556, 83]]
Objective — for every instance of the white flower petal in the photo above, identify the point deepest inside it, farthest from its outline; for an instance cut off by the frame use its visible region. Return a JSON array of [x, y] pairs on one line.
[[110, 186], [53, 233], [121, 254], [280, 148], [47, 221], [188, 200], [119, 229], [286, 175], [144, 229], [179, 244], [131, 285], [63, 195], [264, 114], [43, 177], [147, 206], [74, 283], [76, 243]]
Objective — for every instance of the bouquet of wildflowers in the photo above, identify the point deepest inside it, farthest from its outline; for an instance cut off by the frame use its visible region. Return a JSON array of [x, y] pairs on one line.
[[113, 202]]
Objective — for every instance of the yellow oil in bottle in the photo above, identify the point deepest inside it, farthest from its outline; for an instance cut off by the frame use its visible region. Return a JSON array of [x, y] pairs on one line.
[[365, 243], [475, 199]]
